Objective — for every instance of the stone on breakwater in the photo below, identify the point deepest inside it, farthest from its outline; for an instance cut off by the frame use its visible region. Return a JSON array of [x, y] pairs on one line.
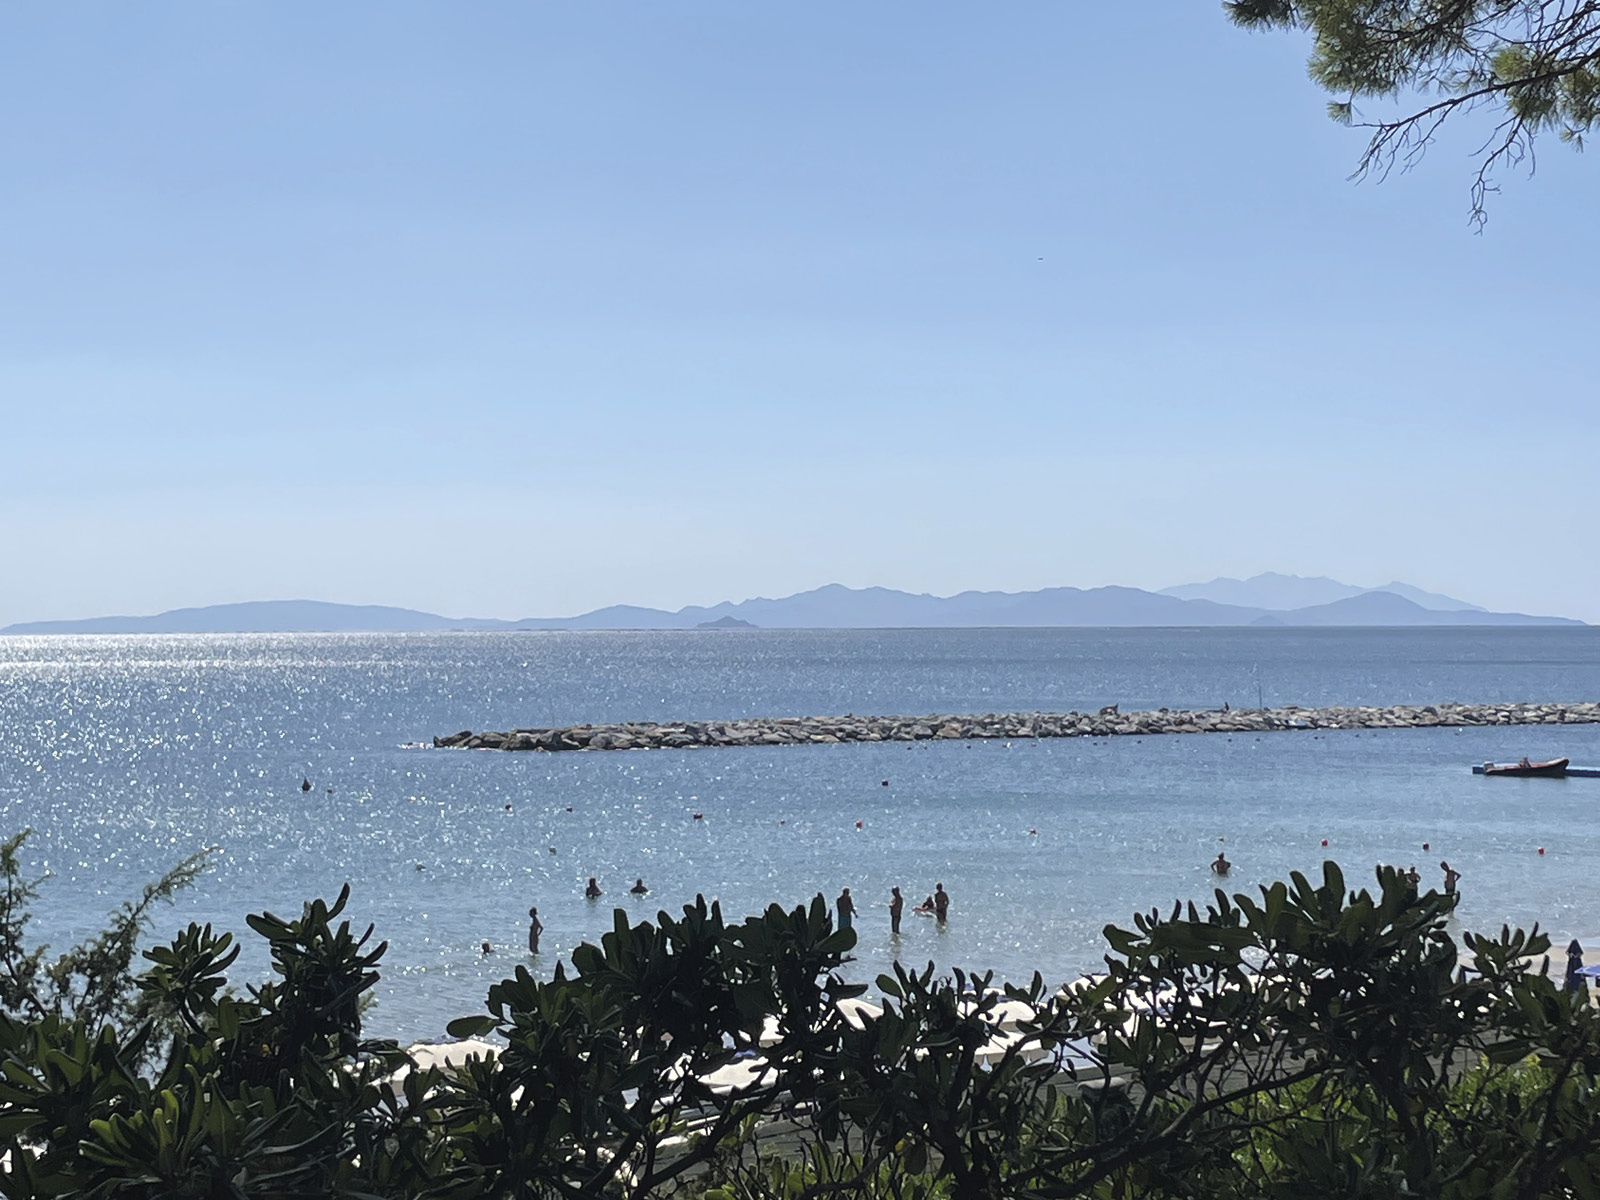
[[1108, 722]]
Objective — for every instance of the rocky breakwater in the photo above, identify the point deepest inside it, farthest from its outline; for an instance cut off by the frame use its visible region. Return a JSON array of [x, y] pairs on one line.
[[1108, 722]]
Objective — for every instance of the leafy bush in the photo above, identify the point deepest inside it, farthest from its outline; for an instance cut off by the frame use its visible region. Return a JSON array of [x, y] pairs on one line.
[[1309, 1040]]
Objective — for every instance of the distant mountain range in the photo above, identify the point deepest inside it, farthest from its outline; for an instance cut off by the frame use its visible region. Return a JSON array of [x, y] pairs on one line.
[[1287, 592], [1263, 600]]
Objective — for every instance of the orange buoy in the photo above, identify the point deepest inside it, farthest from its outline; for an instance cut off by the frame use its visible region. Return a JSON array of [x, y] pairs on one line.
[[1324, 841], [1541, 850]]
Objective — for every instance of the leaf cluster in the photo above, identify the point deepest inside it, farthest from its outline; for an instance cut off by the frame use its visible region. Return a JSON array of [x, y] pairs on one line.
[[1535, 64]]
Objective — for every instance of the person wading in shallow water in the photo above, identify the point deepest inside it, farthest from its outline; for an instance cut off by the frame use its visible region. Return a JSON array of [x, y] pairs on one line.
[[846, 908], [1450, 877], [1221, 866], [897, 908], [941, 903], [535, 928]]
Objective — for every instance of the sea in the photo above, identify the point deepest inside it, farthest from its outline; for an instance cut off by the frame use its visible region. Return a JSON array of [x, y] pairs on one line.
[[124, 755]]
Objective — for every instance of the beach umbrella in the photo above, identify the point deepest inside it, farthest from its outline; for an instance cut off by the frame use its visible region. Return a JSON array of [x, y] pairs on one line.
[[737, 1076], [1003, 1014], [450, 1056], [858, 1012]]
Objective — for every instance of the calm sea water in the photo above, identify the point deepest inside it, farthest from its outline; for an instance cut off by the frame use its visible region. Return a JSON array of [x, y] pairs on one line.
[[127, 753]]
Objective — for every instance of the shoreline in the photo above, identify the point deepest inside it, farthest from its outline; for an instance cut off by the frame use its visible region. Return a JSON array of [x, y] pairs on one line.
[[1108, 722]]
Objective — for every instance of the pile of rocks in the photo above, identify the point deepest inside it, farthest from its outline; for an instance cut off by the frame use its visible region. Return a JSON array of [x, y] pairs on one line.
[[1108, 722]]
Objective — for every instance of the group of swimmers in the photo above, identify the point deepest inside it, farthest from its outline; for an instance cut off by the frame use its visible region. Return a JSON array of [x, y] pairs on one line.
[[1413, 877], [1222, 866], [591, 890], [937, 904]]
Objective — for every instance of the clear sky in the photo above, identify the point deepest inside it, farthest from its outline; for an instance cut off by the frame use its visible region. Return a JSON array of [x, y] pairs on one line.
[[513, 309]]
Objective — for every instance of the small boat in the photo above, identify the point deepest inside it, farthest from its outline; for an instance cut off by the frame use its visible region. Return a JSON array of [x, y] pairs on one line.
[[1524, 769]]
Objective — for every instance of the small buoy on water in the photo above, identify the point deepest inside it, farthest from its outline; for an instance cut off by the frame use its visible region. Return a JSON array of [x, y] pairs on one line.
[[699, 816], [783, 822], [1424, 845], [1541, 850], [569, 808], [858, 824], [1324, 841], [885, 783], [1222, 839]]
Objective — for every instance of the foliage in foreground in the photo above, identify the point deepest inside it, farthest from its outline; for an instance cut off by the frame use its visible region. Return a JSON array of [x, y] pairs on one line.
[[1535, 65], [1309, 1040]]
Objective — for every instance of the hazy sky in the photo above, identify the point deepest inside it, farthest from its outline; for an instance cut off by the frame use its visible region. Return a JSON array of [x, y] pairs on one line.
[[513, 309]]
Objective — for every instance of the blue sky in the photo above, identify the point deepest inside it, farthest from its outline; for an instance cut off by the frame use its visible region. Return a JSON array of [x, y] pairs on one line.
[[522, 309]]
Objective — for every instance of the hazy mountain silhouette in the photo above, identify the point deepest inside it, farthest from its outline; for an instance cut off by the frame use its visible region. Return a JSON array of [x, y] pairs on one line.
[[1287, 592], [1388, 608], [260, 616], [839, 607]]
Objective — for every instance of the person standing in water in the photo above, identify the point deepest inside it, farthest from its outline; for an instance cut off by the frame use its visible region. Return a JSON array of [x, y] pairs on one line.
[[1450, 877], [941, 903], [846, 907], [535, 928], [592, 891], [897, 908], [1221, 865]]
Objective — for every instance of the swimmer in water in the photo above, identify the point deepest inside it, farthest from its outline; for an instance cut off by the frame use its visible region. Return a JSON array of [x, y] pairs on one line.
[[535, 928], [638, 888], [1221, 866], [592, 890]]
